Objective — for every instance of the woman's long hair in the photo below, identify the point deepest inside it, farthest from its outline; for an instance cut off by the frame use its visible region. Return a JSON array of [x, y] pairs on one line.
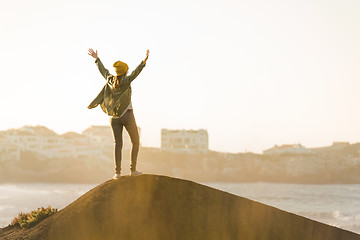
[[117, 80]]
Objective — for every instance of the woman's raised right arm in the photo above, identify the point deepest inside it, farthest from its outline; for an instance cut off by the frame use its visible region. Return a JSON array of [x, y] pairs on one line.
[[99, 64]]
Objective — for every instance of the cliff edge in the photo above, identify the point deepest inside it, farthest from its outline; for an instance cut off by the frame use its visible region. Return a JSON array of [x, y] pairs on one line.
[[159, 207]]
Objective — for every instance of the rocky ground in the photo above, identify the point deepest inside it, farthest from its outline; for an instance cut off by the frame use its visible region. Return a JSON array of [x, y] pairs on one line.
[[159, 207]]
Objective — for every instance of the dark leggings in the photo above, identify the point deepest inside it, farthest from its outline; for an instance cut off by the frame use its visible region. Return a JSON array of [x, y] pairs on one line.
[[117, 124]]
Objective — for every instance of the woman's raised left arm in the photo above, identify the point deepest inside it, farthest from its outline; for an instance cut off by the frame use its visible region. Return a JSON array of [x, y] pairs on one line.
[[139, 68]]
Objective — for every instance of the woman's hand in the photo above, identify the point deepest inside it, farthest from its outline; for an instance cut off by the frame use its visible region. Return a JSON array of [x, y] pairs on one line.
[[147, 56], [94, 54]]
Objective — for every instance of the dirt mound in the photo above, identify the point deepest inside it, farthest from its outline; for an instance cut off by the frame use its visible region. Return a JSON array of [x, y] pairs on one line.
[[158, 207]]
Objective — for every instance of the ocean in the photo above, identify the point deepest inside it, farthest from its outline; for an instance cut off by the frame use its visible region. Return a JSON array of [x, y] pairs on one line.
[[334, 204]]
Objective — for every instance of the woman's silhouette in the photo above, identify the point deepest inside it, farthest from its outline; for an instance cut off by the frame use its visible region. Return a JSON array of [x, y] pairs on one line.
[[115, 100]]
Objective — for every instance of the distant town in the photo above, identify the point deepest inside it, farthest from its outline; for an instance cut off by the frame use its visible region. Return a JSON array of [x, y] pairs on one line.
[[90, 143], [94, 139], [38, 154]]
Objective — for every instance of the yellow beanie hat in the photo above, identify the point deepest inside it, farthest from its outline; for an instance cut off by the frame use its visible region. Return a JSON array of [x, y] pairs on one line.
[[120, 67]]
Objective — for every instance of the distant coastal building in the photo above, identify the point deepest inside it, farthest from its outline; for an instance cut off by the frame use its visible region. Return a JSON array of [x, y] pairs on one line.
[[40, 139], [191, 141], [100, 135], [340, 144], [36, 139], [8, 150], [103, 136], [77, 145], [48, 144], [287, 148]]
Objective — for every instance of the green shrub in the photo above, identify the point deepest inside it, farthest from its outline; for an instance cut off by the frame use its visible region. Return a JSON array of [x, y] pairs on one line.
[[27, 220]]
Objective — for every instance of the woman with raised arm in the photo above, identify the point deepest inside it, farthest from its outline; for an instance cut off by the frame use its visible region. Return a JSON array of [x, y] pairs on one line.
[[115, 101]]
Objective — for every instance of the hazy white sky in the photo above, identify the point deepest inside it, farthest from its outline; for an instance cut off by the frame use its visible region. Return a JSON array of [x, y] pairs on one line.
[[253, 73]]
